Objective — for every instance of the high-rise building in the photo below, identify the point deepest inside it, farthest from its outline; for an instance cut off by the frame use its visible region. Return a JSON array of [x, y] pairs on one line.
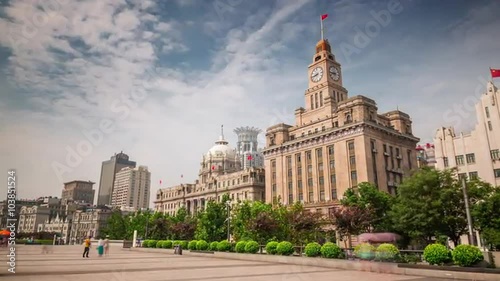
[[475, 154], [77, 190], [221, 172], [336, 142], [132, 188], [247, 147], [108, 171]]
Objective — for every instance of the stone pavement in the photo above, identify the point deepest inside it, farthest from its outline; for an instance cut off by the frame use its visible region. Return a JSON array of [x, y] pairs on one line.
[[66, 263]]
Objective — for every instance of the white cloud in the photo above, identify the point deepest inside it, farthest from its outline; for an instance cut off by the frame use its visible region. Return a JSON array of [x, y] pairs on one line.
[[170, 127]]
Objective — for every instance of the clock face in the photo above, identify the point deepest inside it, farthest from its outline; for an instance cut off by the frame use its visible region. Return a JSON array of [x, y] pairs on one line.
[[317, 74], [334, 73]]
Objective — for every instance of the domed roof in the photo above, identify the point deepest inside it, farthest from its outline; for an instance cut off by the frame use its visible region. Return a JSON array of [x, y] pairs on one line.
[[221, 149]]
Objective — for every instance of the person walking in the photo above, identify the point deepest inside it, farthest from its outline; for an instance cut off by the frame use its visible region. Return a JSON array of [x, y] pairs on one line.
[[100, 247], [106, 245], [87, 245]]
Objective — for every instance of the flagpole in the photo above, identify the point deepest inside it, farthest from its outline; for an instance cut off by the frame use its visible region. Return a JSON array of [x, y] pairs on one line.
[[321, 21]]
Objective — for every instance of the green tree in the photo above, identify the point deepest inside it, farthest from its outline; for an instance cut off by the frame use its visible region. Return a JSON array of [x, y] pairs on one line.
[[369, 197], [212, 222], [116, 226], [241, 217], [430, 203], [139, 221], [160, 227], [351, 220], [486, 216], [303, 224]]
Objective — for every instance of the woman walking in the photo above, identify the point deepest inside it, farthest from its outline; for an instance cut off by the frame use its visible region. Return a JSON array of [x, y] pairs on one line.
[[106, 245], [100, 247]]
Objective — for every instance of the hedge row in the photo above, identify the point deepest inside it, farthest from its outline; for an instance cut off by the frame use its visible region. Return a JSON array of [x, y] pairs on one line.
[[462, 255], [434, 254]]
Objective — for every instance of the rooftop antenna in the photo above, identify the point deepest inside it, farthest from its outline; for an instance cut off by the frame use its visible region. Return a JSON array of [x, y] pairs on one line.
[[222, 131]]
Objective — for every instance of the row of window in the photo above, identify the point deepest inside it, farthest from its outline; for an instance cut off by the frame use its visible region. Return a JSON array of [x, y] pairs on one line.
[[470, 158]]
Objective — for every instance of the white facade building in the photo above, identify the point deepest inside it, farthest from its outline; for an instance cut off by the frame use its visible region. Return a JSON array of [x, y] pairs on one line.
[[30, 217], [476, 154], [59, 225], [132, 188]]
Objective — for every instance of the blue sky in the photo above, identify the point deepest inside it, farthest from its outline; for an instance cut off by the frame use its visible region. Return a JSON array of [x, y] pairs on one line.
[[156, 79]]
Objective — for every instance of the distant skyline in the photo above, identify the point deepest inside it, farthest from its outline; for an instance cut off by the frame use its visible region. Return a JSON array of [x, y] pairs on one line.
[[156, 79]]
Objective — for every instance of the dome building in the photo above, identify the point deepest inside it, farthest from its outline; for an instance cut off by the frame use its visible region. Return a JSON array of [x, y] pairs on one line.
[[223, 170]]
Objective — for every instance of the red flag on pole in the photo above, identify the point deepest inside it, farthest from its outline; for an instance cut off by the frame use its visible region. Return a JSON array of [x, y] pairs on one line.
[[323, 17], [182, 176], [160, 181], [495, 73]]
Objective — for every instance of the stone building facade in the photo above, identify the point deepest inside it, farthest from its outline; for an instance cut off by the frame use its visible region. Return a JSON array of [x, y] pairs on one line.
[[221, 172], [31, 216], [337, 141], [78, 190], [474, 154], [59, 225], [88, 222]]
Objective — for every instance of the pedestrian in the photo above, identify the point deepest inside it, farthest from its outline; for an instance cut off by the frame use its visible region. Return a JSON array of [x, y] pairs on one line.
[[106, 245], [100, 247], [87, 245]]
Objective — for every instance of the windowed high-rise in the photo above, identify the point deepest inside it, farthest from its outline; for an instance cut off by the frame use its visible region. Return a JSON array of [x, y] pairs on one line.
[[108, 172]]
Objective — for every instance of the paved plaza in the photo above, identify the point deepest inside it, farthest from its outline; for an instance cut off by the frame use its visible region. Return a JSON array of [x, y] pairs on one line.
[[66, 263]]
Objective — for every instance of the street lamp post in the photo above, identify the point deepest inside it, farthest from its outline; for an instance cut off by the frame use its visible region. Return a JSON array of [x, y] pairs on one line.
[[228, 205], [472, 240]]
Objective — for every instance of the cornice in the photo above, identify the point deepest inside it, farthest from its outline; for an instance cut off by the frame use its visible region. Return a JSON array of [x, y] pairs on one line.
[[327, 136]]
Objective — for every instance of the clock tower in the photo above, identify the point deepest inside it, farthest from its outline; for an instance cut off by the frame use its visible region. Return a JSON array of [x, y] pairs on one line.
[[325, 85]]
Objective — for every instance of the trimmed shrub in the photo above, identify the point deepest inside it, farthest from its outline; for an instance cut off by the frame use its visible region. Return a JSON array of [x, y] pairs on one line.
[[145, 244], [331, 251], [167, 244], [175, 243], [386, 252], [285, 248], [436, 254], [192, 245], [214, 246], [252, 247], [467, 255], [240, 247], [271, 248], [224, 246], [202, 245], [152, 243], [159, 244], [184, 244], [313, 249], [365, 251]]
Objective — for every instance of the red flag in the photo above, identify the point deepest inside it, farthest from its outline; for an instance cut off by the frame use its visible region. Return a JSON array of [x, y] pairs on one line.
[[160, 181], [213, 167], [249, 157], [323, 17], [182, 176], [495, 73]]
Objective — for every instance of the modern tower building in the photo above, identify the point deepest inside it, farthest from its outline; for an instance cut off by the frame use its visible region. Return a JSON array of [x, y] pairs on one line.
[[132, 188], [247, 147], [337, 141], [108, 171]]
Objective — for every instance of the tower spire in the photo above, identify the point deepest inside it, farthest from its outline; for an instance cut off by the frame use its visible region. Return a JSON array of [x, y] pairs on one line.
[[222, 131]]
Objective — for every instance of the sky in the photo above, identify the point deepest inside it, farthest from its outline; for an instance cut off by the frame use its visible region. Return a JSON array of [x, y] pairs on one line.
[[83, 80]]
